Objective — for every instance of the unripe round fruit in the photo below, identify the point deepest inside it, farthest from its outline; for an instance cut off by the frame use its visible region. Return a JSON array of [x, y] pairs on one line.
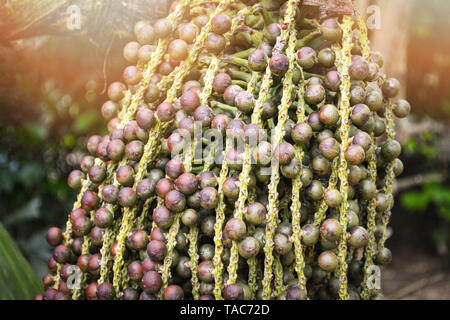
[[75, 178], [151, 282], [233, 292], [178, 49], [391, 87], [279, 64], [257, 60], [54, 236]]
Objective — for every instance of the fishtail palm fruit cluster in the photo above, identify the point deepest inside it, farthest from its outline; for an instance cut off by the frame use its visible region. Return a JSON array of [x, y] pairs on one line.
[[301, 214]]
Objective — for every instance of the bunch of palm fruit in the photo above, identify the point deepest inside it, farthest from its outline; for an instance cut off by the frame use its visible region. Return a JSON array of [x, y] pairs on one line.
[[251, 154]]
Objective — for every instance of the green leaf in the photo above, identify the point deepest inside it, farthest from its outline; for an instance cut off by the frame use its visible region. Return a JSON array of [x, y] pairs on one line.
[[17, 280]]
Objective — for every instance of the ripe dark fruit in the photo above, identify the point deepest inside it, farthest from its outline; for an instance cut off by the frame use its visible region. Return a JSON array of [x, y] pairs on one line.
[[125, 176], [204, 115], [103, 218], [127, 197], [178, 49], [249, 248], [301, 133], [173, 292], [221, 82], [156, 250], [284, 152], [326, 57], [175, 201], [109, 194], [145, 188], [54, 236], [174, 168], [209, 198], [61, 253], [187, 183], [163, 187], [75, 178], [359, 68], [130, 294], [116, 149], [190, 101], [145, 118], [233, 292], [314, 94]]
